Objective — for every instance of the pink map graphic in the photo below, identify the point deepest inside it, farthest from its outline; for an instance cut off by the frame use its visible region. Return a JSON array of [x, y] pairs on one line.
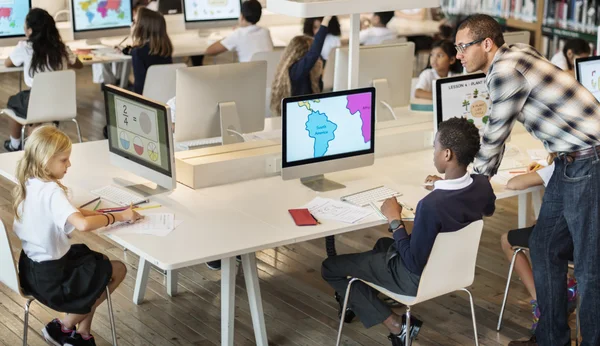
[[361, 103], [104, 6], [5, 12]]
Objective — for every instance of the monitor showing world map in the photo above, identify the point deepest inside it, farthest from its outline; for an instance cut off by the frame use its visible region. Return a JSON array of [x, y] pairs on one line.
[[89, 15], [328, 126], [12, 17]]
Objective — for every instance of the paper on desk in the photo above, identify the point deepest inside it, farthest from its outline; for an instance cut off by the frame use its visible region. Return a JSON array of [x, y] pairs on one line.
[[503, 177], [537, 154], [159, 224], [330, 209]]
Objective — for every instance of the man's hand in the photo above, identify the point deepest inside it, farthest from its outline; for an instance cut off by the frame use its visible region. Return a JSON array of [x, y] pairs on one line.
[[391, 209]]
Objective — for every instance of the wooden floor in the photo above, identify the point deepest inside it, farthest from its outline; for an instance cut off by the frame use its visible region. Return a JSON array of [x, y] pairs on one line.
[[299, 306]]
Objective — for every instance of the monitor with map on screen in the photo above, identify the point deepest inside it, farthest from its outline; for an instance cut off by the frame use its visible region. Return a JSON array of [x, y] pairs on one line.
[[12, 21], [92, 19], [205, 14], [326, 133]]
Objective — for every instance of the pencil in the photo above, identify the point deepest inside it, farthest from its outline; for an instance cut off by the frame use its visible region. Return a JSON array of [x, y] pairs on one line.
[[150, 207], [120, 43], [90, 202], [516, 172], [97, 205]]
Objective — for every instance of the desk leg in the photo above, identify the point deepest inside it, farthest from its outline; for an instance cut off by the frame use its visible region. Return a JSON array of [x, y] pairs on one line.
[[124, 74], [227, 300], [536, 198], [171, 283], [141, 281], [522, 210], [254, 298]]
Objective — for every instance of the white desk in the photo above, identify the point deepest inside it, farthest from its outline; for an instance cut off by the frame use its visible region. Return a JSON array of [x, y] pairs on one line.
[[239, 219]]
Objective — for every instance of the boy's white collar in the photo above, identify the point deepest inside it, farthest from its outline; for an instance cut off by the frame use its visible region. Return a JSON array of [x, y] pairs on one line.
[[453, 184]]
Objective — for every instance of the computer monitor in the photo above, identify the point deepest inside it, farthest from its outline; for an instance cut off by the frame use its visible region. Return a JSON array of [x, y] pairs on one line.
[[170, 7], [517, 37], [388, 68], [102, 18], [463, 96], [588, 74], [220, 100], [12, 21], [325, 133], [140, 138], [204, 14]]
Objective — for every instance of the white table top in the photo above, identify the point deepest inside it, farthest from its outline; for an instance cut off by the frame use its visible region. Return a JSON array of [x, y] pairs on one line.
[[245, 217]]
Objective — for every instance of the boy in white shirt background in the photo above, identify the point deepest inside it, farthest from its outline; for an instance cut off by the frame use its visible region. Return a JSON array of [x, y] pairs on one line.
[[248, 39], [378, 32]]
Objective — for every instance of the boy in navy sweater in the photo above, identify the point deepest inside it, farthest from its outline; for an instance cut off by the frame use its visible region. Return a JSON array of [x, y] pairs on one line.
[[397, 263]]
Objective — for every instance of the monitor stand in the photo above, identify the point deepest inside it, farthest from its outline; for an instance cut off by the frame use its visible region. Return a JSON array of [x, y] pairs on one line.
[[144, 190], [93, 42], [384, 110], [231, 130], [320, 184]]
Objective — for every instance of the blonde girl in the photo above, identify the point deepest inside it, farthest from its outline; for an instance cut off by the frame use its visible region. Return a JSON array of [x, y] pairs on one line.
[[67, 278]]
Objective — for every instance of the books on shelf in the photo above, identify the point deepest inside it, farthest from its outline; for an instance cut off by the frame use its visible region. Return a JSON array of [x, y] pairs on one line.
[[524, 10], [576, 15]]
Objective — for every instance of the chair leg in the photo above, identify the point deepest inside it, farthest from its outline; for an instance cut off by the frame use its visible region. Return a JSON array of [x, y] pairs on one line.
[[78, 130], [111, 317], [510, 271], [23, 136], [26, 321], [407, 340], [577, 322], [473, 316], [339, 337]]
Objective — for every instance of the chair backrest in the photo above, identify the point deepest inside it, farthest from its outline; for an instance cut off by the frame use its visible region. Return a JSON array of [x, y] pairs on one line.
[[451, 264], [400, 39], [8, 269], [272, 58], [160, 82], [53, 97]]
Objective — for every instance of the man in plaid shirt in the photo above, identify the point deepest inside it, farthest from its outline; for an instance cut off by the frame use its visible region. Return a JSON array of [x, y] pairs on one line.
[[565, 116]]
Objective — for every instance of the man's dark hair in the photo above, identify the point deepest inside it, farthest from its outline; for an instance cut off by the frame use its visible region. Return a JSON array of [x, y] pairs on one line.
[[577, 46], [251, 11], [462, 137], [483, 26], [385, 17]]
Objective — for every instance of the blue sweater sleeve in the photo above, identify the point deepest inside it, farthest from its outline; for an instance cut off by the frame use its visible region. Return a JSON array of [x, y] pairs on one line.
[[301, 68], [140, 68], [415, 249]]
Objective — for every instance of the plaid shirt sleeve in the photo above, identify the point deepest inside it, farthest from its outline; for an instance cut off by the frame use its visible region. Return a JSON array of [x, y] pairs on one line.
[[509, 91]]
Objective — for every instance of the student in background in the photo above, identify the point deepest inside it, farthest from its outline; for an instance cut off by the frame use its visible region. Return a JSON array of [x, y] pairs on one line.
[[43, 51], [333, 38], [66, 278], [520, 238], [442, 64], [249, 38], [151, 45], [397, 263], [378, 32], [573, 49], [300, 69]]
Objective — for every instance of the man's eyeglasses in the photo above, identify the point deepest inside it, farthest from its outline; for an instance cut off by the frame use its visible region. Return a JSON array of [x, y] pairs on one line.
[[461, 48]]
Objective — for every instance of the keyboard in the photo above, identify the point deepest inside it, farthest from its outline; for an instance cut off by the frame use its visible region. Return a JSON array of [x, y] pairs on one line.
[[367, 197], [206, 142], [118, 195]]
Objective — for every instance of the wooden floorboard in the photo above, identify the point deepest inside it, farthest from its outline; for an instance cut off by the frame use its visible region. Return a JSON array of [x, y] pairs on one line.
[[299, 306]]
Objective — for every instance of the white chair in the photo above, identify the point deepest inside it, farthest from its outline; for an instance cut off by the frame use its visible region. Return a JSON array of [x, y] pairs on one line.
[[446, 271], [53, 98], [160, 82], [10, 277]]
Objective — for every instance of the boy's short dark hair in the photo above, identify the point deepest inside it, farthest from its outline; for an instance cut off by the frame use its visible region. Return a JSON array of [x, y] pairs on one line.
[[462, 137], [251, 11], [385, 17]]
